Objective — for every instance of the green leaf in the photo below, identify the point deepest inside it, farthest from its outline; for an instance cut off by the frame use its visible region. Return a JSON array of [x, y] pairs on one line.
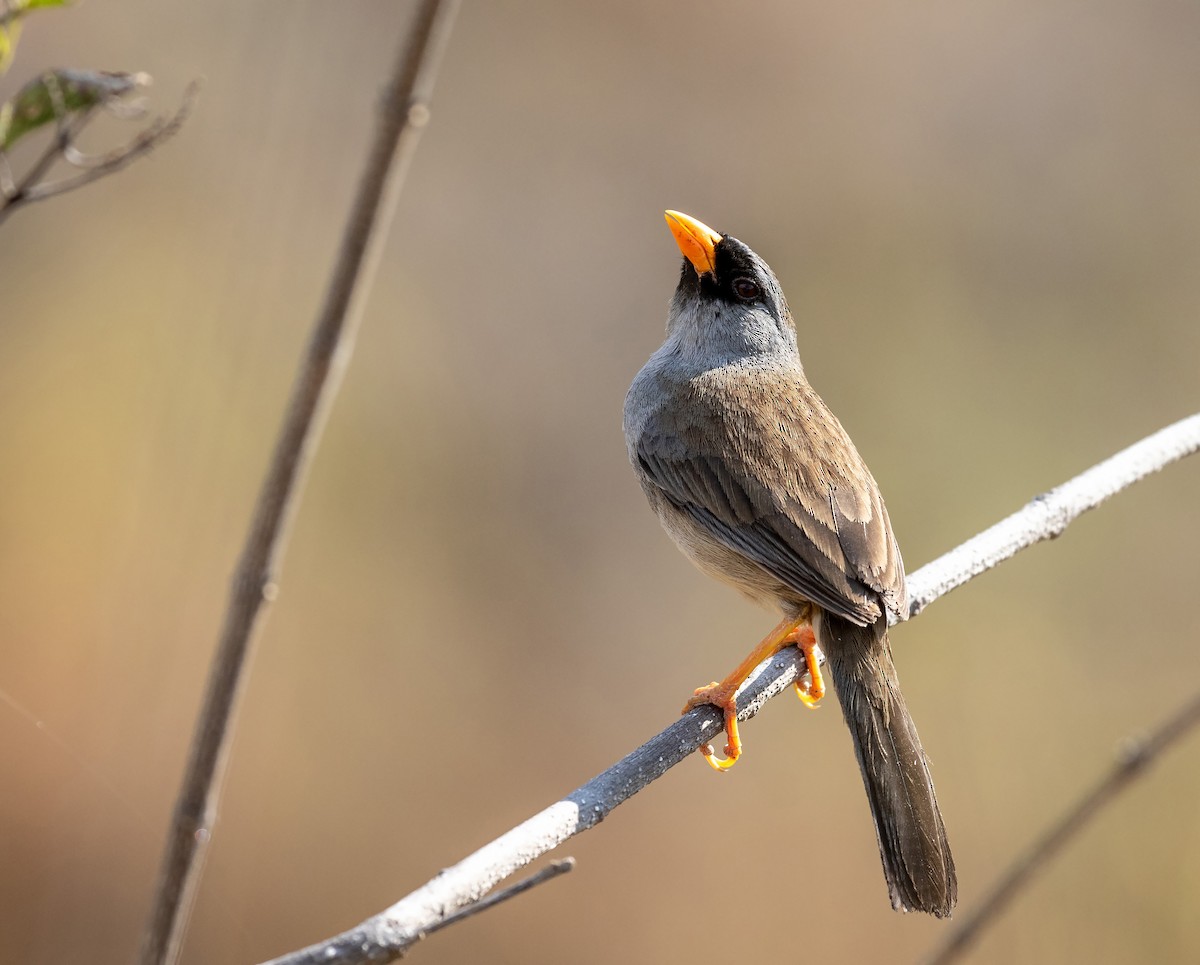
[[8, 43], [56, 95], [11, 15]]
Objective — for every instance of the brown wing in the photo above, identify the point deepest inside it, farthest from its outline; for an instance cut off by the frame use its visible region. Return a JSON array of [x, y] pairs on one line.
[[762, 464]]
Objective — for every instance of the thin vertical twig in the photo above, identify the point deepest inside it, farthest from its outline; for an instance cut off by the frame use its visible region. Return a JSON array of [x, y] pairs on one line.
[[1132, 760], [403, 114]]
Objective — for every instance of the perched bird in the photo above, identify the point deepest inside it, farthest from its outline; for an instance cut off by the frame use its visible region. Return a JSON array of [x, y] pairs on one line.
[[760, 486]]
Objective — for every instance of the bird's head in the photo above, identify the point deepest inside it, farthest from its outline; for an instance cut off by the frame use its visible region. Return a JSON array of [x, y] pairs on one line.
[[728, 304]]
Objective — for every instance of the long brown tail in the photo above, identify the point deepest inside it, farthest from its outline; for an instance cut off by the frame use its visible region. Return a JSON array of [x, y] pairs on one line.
[[908, 824]]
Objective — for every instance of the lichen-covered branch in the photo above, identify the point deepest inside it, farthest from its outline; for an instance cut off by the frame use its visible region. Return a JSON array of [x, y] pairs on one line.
[[1046, 516], [384, 937]]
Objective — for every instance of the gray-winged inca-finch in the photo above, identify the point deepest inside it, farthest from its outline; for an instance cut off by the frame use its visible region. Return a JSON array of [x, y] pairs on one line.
[[760, 486]]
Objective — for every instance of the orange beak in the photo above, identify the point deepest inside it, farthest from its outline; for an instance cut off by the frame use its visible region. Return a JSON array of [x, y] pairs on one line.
[[696, 240]]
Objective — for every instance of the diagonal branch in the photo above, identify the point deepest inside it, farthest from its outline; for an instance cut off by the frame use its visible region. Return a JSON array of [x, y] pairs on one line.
[[1046, 516], [1132, 760], [553, 870], [404, 111], [387, 935]]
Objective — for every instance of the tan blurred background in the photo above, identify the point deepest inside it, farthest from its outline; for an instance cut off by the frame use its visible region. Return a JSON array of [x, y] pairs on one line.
[[987, 220]]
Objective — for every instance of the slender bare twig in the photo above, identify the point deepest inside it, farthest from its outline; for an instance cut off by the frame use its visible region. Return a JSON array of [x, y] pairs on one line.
[[29, 189], [1049, 514], [96, 167], [387, 935], [15, 194], [553, 870], [1133, 757], [403, 113], [66, 130]]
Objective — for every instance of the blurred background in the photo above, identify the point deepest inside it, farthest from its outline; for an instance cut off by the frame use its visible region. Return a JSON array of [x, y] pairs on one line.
[[987, 220]]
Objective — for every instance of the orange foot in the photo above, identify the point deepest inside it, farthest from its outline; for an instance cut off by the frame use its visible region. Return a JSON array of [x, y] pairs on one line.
[[796, 631], [720, 696], [810, 688]]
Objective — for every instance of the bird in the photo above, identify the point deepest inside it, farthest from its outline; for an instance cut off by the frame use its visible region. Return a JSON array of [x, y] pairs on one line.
[[756, 481]]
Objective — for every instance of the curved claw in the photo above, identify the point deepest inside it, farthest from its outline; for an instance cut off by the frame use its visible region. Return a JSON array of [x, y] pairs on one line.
[[714, 696], [804, 691], [811, 691], [719, 763], [794, 629]]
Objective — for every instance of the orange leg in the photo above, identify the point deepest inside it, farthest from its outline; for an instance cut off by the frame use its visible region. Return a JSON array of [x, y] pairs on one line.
[[813, 689], [789, 631]]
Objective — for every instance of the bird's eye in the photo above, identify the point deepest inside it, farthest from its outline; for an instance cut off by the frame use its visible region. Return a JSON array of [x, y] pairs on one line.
[[746, 289]]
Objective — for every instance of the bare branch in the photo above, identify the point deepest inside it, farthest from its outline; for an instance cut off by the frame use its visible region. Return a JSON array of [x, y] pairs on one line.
[[99, 166], [1049, 514], [1133, 758], [553, 870], [71, 120], [15, 194], [387, 935], [403, 113]]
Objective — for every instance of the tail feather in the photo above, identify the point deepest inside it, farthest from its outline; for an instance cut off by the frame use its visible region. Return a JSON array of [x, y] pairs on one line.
[[916, 857]]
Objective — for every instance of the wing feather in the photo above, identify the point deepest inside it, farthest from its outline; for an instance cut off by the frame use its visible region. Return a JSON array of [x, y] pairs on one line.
[[791, 494]]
